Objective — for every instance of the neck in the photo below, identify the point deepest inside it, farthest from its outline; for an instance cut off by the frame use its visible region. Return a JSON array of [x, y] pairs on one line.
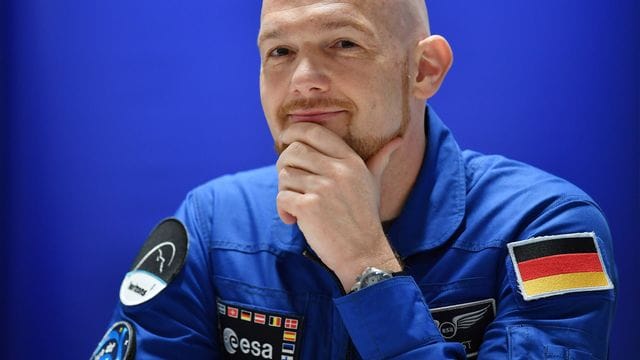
[[403, 169]]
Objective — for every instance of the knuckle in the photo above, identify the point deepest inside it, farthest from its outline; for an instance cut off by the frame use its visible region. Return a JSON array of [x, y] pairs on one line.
[[290, 202], [314, 132], [339, 170], [296, 148], [309, 201], [324, 185], [283, 173], [283, 200]]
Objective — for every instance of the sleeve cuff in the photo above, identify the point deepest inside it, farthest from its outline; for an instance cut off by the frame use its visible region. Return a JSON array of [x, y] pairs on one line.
[[388, 318]]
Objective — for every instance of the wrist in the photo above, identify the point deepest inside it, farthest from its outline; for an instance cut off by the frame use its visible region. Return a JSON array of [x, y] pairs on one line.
[[382, 257], [371, 276], [389, 263], [392, 265]]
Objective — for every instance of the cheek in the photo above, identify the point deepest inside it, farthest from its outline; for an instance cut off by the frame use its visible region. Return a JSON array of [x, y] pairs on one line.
[[270, 109], [275, 129], [382, 111], [271, 88], [275, 78], [271, 100]]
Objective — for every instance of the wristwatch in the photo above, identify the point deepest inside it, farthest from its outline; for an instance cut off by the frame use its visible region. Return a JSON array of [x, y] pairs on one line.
[[370, 276]]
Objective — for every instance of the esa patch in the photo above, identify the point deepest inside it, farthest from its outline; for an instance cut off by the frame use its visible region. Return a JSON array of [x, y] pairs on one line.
[[256, 334], [553, 265], [160, 260], [465, 323], [118, 343]]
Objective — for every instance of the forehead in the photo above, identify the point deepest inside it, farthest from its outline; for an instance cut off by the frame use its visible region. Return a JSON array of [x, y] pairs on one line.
[[277, 14], [272, 6]]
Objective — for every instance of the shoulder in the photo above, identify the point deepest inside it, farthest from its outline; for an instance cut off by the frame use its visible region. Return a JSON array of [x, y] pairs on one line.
[[244, 188], [499, 180], [239, 202], [505, 177], [518, 201]]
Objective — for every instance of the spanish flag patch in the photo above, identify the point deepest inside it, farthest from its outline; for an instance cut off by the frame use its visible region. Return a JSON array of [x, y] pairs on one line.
[[559, 264]]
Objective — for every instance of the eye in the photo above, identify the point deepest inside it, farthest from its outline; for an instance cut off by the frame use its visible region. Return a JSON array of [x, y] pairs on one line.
[[345, 44], [279, 52]]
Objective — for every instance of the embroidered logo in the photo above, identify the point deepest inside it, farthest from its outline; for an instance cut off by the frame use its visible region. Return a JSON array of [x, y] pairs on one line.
[[119, 342], [158, 263], [465, 323]]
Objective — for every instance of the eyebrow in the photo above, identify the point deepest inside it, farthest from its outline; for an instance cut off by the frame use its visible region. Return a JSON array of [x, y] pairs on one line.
[[331, 25]]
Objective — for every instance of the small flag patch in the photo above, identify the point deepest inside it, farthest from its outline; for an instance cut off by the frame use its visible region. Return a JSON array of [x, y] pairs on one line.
[[560, 264], [245, 315], [288, 348], [232, 312], [275, 321], [259, 318], [289, 336], [291, 324]]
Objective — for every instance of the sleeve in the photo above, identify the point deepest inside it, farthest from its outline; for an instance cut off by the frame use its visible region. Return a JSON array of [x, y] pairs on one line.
[[563, 325], [390, 320], [179, 322]]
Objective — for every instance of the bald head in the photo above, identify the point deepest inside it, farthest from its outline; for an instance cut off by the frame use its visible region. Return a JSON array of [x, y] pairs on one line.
[[405, 20]]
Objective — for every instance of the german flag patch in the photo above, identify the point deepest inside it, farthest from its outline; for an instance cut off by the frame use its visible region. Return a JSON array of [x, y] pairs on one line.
[[560, 264]]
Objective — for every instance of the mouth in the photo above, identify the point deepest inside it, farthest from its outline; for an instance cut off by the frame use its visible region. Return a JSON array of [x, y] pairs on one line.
[[315, 115]]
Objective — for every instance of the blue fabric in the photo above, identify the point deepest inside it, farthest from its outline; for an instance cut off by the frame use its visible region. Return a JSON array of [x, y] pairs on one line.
[[452, 235]]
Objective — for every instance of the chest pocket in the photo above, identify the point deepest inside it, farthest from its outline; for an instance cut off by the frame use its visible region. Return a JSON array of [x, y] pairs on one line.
[[283, 285], [259, 323]]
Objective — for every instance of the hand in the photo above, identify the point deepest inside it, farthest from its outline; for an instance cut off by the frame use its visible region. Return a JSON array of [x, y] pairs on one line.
[[334, 196]]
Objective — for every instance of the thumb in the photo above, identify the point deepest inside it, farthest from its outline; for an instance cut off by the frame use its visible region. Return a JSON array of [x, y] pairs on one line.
[[379, 161]]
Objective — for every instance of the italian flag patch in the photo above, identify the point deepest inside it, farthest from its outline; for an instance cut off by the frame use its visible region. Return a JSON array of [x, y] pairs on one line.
[[560, 264]]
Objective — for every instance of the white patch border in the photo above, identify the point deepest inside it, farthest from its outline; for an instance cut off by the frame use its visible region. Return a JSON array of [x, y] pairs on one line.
[[491, 301], [139, 275], [537, 239]]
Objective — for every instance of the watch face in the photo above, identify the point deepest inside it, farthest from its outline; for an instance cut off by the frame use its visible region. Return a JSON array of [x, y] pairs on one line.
[[369, 280]]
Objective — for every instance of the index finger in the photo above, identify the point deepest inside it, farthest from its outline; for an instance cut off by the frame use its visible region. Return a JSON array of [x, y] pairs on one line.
[[318, 137]]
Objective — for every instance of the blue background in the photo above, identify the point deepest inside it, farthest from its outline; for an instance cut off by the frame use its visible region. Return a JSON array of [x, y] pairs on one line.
[[113, 110]]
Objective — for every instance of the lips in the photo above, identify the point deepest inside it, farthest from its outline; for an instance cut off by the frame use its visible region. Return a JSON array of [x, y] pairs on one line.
[[316, 116]]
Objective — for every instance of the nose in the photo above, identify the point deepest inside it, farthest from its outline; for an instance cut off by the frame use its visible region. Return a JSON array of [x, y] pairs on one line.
[[309, 78]]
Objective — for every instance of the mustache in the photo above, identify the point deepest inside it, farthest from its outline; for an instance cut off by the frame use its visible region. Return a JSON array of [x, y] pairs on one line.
[[311, 103]]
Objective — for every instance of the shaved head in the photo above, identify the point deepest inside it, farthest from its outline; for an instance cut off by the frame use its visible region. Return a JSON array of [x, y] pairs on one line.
[[407, 21]]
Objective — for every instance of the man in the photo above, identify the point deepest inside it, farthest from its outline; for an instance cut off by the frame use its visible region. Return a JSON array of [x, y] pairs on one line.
[[373, 236]]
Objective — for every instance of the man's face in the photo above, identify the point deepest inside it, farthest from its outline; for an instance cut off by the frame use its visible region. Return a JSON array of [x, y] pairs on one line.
[[335, 63]]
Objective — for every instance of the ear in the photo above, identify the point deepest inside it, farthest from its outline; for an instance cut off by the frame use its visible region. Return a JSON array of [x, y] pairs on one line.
[[434, 58]]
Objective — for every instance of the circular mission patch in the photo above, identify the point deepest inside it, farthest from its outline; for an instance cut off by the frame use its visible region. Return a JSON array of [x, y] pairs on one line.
[[118, 343], [160, 260]]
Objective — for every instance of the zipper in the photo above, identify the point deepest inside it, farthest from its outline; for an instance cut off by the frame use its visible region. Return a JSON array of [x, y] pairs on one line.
[[313, 257]]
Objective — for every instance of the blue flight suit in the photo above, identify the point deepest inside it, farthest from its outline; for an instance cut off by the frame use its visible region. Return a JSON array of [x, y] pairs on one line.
[[452, 236]]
